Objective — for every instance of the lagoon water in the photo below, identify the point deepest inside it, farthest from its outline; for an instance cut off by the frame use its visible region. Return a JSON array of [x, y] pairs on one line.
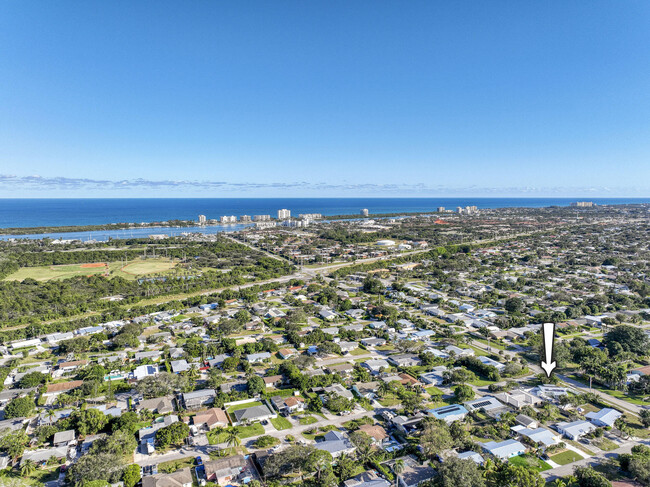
[[68, 212]]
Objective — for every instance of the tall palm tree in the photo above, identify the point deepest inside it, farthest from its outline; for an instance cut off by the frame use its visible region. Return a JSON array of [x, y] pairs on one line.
[[384, 388], [398, 468], [27, 467], [232, 438]]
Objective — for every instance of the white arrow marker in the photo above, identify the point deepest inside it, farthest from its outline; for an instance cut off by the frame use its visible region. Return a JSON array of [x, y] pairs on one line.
[[549, 335]]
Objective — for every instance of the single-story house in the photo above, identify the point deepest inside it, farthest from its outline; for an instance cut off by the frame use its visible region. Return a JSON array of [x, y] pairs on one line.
[[225, 470], [199, 398], [575, 429], [604, 418], [504, 449], [179, 478], [449, 414], [251, 414]]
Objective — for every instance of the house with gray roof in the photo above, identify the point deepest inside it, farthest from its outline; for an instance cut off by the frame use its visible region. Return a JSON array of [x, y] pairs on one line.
[[252, 414]]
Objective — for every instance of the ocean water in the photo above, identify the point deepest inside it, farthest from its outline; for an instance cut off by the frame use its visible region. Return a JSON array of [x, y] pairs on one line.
[[68, 212]]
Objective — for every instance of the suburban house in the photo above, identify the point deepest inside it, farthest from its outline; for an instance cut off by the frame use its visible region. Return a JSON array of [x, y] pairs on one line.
[[434, 377], [518, 398], [405, 360], [344, 370], [287, 353], [375, 431], [373, 342], [471, 455], [376, 366], [63, 438], [288, 405], [347, 347], [366, 389], [251, 414], [575, 429], [180, 478], [211, 418], [142, 371], [541, 436], [225, 470], [449, 414], [504, 449], [62, 387], [273, 381], [199, 398], [255, 358], [179, 366], [336, 443], [160, 405], [604, 418], [147, 435], [68, 367], [485, 403]]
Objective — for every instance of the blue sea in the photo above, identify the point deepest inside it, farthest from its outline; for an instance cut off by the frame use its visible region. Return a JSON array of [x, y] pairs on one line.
[[69, 212]]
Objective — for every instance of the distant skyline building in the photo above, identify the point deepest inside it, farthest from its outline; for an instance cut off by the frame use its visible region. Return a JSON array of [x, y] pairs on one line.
[[245, 218], [364, 212], [229, 219], [310, 216], [468, 210], [284, 214], [583, 204], [202, 219], [261, 218], [441, 209]]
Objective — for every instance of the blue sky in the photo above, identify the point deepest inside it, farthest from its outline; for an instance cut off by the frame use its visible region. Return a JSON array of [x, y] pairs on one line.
[[324, 98]]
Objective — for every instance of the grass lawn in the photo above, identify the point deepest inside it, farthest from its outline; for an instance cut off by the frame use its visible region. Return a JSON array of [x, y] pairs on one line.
[[493, 343], [305, 420], [130, 271], [385, 347], [388, 401], [254, 429], [236, 407], [359, 351], [174, 465], [481, 382], [281, 423], [530, 461], [605, 444], [581, 447], [39, 476], [433, 390], [567, 456]]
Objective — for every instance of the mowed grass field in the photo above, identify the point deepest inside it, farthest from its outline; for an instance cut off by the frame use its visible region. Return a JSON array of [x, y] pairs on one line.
[[132, 270]]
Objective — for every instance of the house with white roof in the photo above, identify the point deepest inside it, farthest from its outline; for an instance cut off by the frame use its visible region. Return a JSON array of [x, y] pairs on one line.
[[575, 429], [376, 366], [488, 361], [504, 449], [604, 418], [541, 436], [471, 455]]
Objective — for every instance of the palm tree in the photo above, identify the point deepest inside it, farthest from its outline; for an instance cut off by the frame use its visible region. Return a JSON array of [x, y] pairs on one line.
[[559, 483], [232, 438], [27, 467], [193, 374], [398, 468], [384, 388]]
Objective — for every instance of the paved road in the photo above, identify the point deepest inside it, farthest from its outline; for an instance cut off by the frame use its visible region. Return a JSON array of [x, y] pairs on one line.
[[629, 407], [295, 431]]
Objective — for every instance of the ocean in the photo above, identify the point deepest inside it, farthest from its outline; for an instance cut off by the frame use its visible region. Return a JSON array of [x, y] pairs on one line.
[[68, 212]]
